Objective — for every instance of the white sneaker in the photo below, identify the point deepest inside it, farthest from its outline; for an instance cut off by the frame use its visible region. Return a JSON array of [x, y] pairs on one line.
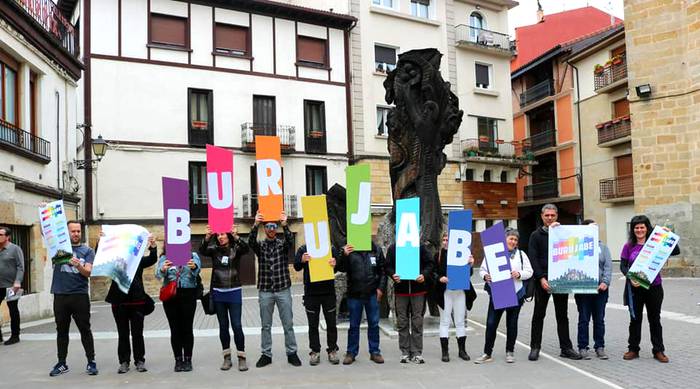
[[418, 359], [483, 359], [405, 359], [510, 358]]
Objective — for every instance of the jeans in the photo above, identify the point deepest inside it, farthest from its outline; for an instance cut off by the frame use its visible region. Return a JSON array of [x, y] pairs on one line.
[[179, 311], [76, 306], [455, 305], [493, 317], [591, 305], [267, 301], [232, 311], [313, 306], [129, 316], [561, 302], [410, 309], [652, 299], [371, 307], [14, 313]]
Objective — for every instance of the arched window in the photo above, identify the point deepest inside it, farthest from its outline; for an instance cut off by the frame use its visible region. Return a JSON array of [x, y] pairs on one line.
[[476, 24]]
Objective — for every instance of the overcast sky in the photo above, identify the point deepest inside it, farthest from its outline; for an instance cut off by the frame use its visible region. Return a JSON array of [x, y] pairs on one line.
[[526, 13]]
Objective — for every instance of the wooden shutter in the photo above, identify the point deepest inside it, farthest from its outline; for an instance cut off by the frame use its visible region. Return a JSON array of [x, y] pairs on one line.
[[621, 108], [168, 30], [311, 50], [624, 165], [231, 38]]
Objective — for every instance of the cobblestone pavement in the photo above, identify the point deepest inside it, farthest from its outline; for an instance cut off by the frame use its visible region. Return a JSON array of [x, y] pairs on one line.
[[30, 360]]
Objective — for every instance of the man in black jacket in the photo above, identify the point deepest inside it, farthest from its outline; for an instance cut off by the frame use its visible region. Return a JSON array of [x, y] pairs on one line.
[[410, 304], [538, 251], [366, 283], [319, 295]]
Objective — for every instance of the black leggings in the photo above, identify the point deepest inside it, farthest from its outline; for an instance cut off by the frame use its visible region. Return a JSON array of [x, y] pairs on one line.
[[180, 313]]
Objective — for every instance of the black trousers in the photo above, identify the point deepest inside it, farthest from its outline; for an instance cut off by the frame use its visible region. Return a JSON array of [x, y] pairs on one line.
[[313, 305], [652, 298], [14, 313], [561, 305], [77, 307], [129, 319], [180, 313]]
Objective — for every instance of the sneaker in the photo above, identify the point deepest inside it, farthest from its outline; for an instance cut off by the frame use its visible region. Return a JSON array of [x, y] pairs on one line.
[[333, 357], [12, 340], [263, 361], [570, 353], [123, 368], [661, 357], [58, 369], [583, 352], [314, 358], [510, 358], [630, 355], [294, 360], [418, 359], [483, 359], [91, 368], [405, 358], [348, 359], [141, 367], [534, 354], [376, 358], [600, 353]]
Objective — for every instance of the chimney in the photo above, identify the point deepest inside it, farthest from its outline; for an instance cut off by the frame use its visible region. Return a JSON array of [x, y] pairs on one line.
[[540, 12]]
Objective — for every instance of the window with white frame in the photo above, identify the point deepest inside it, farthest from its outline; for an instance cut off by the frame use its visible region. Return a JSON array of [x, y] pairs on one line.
[[420, 8], [384, 58], [382, 116], [384, 3], [476, 24], [483, 75]]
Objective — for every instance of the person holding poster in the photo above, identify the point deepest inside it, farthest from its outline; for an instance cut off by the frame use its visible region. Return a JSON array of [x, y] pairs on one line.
[[11, 276], [410, 304], [452, 303], [129, 309], [71, 299], [637, 297], [274, 286], [366, 285], [538, 251], [594, 305], [226, 253], [317, 296], [521, 270], [180, 308]]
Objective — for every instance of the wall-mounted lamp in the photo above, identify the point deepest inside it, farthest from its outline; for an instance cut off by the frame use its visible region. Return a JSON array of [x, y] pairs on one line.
[[99, 148], [504, 203], [480, 203], [643, 91]]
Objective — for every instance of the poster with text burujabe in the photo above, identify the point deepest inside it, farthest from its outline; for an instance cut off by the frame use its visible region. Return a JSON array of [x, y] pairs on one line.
[[54, 231], [119, 253], [318, 237], [268, 155], [220, 189], [176, 213], [653, 256], [408, 238], [359, 217], [573, 259], [459, 227], [503, 293]]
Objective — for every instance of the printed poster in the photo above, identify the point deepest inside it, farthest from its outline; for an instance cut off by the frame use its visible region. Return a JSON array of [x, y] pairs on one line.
[[359, 217], [573, 259], [268, 155], [408, 238], [502, 285], [220, 189], [54, 231], [176, 211], [119, 253], [458, 249], [318, 237], [653, 256]]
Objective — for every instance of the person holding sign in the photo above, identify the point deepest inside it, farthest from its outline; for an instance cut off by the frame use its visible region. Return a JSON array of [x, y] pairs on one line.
[[227, 295], [410, 304], [317, 296], [180, 308], [71, 299], [521, 270], [274, 286], [638, 297], [129, 309], [538, 251]]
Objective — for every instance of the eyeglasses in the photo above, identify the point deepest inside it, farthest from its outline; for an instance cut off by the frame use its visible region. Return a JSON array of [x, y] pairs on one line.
[[271, 226]]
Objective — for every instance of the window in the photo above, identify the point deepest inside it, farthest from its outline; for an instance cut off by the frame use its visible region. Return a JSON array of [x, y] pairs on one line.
[[487, 175], [469, 174], [487, 129], [32, 104], [621, 108], [483, 76], [201, 123], [476, 24], [420, 8], [198, 189], [315, 127], [382, 116], [489, 223], [316, 180], [504, 176], [312, 51], [264, 117], [10, 95], [384, 3], [231, 39], [169, 30], [384, 59]]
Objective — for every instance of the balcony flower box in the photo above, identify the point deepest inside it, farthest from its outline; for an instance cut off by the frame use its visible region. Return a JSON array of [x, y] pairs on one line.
[[315, 134], [500, 141], [484, 139], [616, 60], [600, 125], [199, 124], [598, 69]]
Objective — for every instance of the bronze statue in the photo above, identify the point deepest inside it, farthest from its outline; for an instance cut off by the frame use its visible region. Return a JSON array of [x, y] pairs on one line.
[[425, 118]]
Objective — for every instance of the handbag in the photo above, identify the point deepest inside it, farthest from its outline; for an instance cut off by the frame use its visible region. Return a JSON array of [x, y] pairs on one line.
[[169, 290], [528, 289], [207, 300]]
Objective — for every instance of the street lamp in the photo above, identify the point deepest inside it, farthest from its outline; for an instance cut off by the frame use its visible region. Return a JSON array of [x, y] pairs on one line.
[[99, 148]]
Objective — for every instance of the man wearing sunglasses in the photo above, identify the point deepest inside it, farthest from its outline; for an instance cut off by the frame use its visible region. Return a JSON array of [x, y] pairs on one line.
[[274, 285]]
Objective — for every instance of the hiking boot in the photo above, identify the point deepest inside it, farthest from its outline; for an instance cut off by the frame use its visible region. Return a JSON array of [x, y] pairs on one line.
[[444, 346], [187, 364], [263, 361], [534, 354], [123, 368], [570, 353], [483, 359], [314, 358], [510, 358], [418, 359], [333, 357], [348, 359], [661, 357], [58, 369], [227, 364], [630, 355], [91, 368], [294, 360], [242, 363], [141, 367], [600, 353], [462, 348], [405, 358], [178, 365], [583, 352], [376, 358]]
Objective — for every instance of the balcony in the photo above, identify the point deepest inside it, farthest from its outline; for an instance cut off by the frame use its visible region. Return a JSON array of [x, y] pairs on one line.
[[250, 206], [537, 92], [540, 141], [617, 189], [611, 75], [47, 15], [315, 142], [614, 132], [542, 190], [496, 152], [480, 39], [285, 133], [14, 139]]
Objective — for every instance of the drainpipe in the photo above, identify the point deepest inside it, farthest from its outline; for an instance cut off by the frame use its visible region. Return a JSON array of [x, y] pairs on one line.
[[580, 150], [348, 96], [58, 143]]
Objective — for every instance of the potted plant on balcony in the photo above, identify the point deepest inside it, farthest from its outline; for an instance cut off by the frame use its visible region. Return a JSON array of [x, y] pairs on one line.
[[598, 69], [616, 60], [600, 125], [316, 134], [471, 151]]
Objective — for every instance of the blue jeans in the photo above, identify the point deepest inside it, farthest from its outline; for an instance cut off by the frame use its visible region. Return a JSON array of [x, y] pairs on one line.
[[591, 305], [493, 317], [371, 307], [267, 301], [224, 311]]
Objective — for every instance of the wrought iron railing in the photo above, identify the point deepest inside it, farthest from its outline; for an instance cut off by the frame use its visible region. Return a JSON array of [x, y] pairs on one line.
[[315, 142], [285, 133], [488, 148], [542, 190], [250, 205], [614, 129], [23, 141], [540, 140], [537, 92], [617, 187], [616, 71], [50, 17], [482, 37]]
